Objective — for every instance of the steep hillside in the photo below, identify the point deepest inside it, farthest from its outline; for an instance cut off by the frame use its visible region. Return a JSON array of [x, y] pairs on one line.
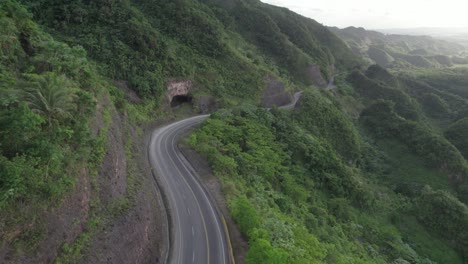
[[369, 169], [308, 187], [225, 51], [324, 184], [69, 160], [81, 80]]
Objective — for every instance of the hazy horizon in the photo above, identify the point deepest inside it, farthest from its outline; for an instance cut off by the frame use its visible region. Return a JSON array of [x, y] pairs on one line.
[[379, 15]]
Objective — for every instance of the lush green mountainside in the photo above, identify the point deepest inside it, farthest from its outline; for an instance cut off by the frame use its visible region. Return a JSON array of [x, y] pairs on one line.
[[227, 52], [48, 92], [76, 75], [50, 150], [396, 51], [370, 170], [300, 198], [316, 186]]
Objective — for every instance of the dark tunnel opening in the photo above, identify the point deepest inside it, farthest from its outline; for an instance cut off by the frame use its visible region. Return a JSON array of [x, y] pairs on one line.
[[181, 99]]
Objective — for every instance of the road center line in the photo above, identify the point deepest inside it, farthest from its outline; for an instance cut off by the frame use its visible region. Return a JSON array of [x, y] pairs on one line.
[[197, 202]]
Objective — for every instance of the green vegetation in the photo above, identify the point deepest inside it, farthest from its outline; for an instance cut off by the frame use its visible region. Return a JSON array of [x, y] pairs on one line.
[[438, 111], [400, 51], [379, 56], [330, 124], [456, 134], [57, 61], [49, 91], [435, 149], [297, 200], [318, 171], [44, 112], [371, 90], [373, 170], [226, 51], [444, 215], [406, 172]]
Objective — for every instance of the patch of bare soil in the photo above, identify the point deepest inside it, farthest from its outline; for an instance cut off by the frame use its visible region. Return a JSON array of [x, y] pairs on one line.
[[316, 76], [129, 94], [113, 173], [275, 93], [133, 237], [135, 228]]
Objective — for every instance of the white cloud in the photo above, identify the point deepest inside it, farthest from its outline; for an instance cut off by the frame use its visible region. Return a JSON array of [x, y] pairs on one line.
[[382, 14]]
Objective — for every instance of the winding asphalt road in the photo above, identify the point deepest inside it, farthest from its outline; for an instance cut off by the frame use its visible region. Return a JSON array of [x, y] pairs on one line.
[[198, 233]]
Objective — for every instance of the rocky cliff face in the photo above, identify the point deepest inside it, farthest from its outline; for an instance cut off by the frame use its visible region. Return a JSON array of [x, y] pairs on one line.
[[275, 93], [135, 229], [316, 77], [104, 219], [61, 225]]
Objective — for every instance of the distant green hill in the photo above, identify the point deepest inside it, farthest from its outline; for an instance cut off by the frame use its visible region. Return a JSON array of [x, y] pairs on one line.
[[397, 51]]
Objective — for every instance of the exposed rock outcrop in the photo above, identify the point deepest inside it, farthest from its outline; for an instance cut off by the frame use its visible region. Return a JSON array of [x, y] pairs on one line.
[[58, 226], [129, 94], [316, 76], [135, 231], [275, 93], [175, 88]]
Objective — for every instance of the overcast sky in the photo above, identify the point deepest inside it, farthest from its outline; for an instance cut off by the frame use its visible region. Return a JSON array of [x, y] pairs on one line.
[[379, 14]]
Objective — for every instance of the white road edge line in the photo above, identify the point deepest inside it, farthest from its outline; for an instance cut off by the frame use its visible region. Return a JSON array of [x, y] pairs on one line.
[[190, 170]]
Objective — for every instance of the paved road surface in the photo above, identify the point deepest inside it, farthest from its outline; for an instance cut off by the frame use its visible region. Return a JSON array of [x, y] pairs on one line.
[[293, 103], [198, 233]]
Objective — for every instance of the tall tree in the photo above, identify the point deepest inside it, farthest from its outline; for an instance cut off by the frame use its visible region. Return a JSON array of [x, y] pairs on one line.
[[50, 95]]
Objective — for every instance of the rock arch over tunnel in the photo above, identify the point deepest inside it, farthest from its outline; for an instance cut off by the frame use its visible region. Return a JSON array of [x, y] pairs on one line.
[[179, 92]]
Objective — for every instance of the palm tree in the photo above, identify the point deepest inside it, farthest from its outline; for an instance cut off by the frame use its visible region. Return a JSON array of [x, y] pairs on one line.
[[50, 95]]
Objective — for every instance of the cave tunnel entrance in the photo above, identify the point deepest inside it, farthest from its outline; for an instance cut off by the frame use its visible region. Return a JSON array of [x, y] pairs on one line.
[[181, 99]]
